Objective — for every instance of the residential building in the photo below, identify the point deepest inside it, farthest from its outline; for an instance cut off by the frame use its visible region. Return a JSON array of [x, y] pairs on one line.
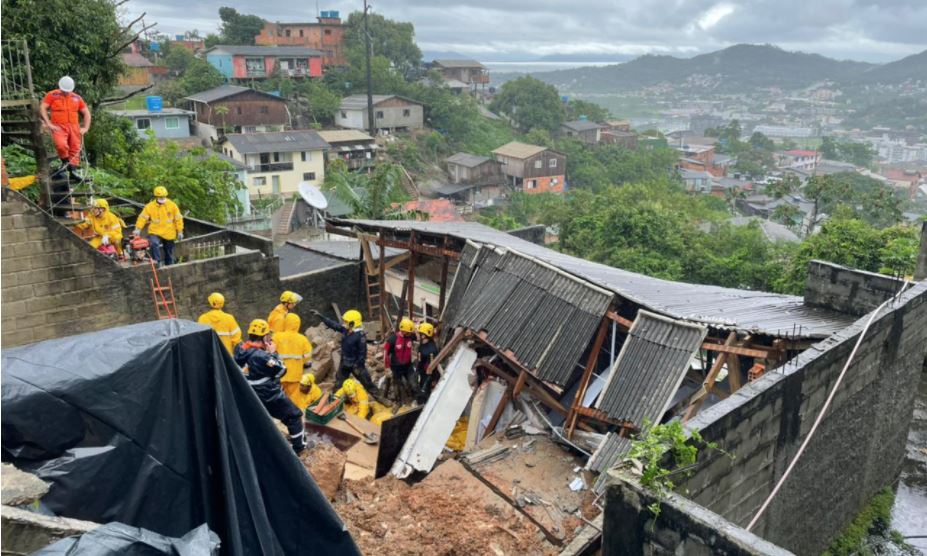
[[627, 139], [700, 158], [234, 109], [431, 210], [260, 62], [799, 159], [585, 131], [468, 72], [390, 112], [140, 73], [325, 35], [531, 168], [357, 149], [471, 195], [277, 162], [696, 181], [785, 132], [720, 186], [897, 148], [906, 180], [167, 123], [472, 169], [618, 125], [193, 45]]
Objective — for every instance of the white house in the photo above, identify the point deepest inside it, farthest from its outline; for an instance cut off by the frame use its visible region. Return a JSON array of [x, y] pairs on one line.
[[277, 162]]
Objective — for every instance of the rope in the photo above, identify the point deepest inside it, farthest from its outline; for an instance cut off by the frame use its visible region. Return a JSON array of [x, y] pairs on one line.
[[820, 417]]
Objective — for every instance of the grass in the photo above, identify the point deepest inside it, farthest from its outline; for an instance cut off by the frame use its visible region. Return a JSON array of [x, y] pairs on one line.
[[875, 519]]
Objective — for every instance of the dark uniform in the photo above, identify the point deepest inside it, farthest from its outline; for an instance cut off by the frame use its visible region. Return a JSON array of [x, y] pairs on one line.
[[353, 355], [427, 351], [398, 353], [264, 372]]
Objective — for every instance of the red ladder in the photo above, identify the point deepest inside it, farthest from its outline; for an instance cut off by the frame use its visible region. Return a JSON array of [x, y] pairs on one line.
[[163, 296]]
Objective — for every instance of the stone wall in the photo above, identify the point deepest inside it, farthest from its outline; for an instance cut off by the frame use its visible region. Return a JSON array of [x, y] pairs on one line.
[[534, 234], [682, 527], [54, 284], [857, 451], [847, 290]]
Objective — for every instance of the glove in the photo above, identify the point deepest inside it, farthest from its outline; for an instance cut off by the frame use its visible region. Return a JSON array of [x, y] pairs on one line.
[[136, 232], [179, 236], [105, 240]]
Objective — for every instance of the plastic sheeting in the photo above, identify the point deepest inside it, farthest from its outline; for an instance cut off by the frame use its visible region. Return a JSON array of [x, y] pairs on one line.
[[153, 425], [119, 539]]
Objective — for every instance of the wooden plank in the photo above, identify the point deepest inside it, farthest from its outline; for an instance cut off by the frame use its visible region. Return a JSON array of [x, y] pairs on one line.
[[411, 288], [709, 380], [448, 349], [497, 414], [623, 322], [520, 384], [397, 259], [384, 319], [733, 370], [587, 375], [738, 350], [368, 256]]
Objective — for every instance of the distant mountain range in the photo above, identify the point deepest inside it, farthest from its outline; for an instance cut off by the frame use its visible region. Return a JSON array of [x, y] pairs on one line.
[[735, 68]]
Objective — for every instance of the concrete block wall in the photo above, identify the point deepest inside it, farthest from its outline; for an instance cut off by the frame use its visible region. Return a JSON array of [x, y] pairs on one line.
[[857, 451], [847, 290], [54, 284], [682, 527]]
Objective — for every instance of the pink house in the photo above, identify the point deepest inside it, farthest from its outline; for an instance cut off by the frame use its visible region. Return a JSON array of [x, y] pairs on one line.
[[260, 62]]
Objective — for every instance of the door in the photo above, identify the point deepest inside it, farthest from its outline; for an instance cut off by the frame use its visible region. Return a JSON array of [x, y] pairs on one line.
[[275, 185]]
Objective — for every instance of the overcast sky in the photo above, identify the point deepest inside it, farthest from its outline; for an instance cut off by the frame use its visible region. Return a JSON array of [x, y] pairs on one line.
[[871, 30]]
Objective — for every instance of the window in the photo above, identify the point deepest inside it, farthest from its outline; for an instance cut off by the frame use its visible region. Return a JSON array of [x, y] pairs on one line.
[[250, 129], [308, 176], [287, 32], [344, 114], [300, 32], [171, 123], [379, 114], [532, 184], [264, 109], [238, 110], [143, 123], [406, 113], [276, 157], [538, 164], [553, 163], [304, 156], [328, 31], [259, 181]]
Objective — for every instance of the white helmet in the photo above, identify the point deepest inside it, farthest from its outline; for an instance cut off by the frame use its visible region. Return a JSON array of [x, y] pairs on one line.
[[66, 84]]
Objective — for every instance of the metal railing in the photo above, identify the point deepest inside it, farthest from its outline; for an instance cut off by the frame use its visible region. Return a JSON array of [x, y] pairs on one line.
[[272, 167], [17, 72]]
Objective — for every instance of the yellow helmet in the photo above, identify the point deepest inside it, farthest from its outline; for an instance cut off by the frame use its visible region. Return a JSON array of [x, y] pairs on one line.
[[290, 297], [426, 329], [308, 379], [216, 300], [349, 387], [101, 203], [406, 325], [291, 322], [259, 327], [353, 318], [160, 191]]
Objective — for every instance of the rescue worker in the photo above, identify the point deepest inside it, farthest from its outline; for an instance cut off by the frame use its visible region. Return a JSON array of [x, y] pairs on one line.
[[288, 301], [427, 351], [223, 323], [67, 108], [397, 357], [106, 226], [308, 393], [353, 347], [356, 400], [166, 225], [256, 357], [295, 350]]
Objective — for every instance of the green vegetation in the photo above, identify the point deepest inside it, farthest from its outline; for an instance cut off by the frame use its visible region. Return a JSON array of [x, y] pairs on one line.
[[874, 520], [238, 28], [860, 154], [393, 40], [370, 195], [530, 104]]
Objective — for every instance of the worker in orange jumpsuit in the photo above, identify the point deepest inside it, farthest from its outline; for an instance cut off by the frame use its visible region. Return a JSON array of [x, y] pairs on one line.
[[64, 123]]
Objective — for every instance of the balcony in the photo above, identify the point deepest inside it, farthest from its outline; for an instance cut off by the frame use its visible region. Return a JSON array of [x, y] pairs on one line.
[[271, 167], [255, 73]]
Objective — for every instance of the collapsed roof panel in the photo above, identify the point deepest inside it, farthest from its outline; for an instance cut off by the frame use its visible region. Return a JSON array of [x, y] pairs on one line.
[[546, 317], [747, 311], [649, 368], [608, 453], [153, 425]]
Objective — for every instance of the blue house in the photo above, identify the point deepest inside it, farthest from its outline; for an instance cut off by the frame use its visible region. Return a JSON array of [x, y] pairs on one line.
[[167, 123]]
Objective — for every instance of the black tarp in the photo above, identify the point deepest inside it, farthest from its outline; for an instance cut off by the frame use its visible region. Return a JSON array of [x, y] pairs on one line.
[[153, 425], [119, 539]]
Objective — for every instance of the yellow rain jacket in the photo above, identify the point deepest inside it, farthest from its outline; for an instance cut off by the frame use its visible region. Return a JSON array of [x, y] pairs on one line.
[[275, 318], [294, 350], [302, 400], [225, 326], [166, 221], [359, 403], [107, 224]]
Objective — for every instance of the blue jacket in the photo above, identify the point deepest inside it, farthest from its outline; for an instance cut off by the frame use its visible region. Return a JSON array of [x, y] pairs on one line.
[[353, 345], [263, 367]]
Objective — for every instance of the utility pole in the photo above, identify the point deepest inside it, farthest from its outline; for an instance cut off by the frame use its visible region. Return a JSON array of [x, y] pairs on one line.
[[371, 124]]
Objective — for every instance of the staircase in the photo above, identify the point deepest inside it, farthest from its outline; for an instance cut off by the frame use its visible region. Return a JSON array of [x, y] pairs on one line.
[[285, 218], [19, 118]]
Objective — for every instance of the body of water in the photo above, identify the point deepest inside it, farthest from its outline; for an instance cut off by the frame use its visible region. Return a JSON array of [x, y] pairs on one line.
[[532, 67]]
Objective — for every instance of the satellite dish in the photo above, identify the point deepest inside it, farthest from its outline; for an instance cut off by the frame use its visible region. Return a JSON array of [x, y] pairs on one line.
[[312, 195]]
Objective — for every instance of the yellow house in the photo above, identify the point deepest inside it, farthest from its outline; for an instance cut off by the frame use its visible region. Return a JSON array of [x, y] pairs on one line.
[[276, 162]]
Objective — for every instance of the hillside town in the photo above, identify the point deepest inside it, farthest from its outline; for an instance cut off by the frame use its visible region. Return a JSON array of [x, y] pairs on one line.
[[298, 286]]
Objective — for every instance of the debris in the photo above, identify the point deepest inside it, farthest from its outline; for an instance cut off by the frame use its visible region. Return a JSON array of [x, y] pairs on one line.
[[577, 484], [482, 456]]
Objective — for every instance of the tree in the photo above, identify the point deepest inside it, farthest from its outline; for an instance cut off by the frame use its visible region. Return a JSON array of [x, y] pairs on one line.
[[178, 59], [112, 142], [323, 102], [393, 40], [201, 76], [370, 196], [80, 38], [859, 154], [239, 28], [576, 109], [530, 103]]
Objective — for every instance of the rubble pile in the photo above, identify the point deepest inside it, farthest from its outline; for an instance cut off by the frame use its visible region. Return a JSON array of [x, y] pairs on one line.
[[326, 351], [438, 515], [326, 465]]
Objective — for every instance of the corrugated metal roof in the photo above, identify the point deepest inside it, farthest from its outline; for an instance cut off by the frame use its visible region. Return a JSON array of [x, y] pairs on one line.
[[649, 368], [295, 259], [612, 449], [247, 50], [545, 316], [225, 91], [746, 311], [453, 63], [467, 159], [346, 250], [582, 125], [359, 102], [277, 141], [343, 135], [519, 150]]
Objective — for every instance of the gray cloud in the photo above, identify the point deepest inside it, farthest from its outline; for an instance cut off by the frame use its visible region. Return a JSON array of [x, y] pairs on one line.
[[875, 30]]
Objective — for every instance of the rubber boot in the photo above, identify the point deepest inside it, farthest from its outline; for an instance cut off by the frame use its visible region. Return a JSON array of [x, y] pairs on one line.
[[73, 175]]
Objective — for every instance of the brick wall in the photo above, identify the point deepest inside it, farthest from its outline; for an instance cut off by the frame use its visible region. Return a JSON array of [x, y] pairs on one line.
[[857, 451], [54, 284], [682, 527], [847, 290]]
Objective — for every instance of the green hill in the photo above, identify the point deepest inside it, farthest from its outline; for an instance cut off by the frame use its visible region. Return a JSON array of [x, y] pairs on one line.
[[910, 68]]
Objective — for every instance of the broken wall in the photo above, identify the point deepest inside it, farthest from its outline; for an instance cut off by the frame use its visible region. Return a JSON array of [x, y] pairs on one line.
[[857, 450], [54, 284]]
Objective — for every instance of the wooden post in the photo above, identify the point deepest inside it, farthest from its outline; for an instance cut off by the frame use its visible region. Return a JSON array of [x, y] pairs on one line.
[[382, 280], [587, 374], [497, 414], [443, 293], [411, 287], [699, 397]]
